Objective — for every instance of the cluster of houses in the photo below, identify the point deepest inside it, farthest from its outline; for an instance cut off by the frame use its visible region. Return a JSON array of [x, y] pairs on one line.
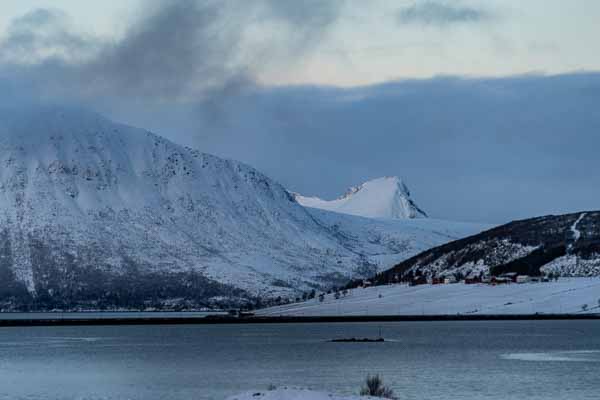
[[503, 279]]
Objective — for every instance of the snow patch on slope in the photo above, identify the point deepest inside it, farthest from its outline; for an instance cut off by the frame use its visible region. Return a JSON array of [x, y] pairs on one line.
[[576, 233], [386, 197]]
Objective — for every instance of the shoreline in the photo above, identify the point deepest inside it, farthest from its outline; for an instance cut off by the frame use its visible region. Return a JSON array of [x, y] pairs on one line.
[[223, 320]]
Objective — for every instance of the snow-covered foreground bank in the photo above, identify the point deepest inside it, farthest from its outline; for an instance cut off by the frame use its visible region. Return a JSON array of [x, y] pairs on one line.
[[293, 394], [567, 296]]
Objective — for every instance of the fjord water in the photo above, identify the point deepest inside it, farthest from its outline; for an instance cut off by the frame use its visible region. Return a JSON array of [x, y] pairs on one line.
[[420, 360]]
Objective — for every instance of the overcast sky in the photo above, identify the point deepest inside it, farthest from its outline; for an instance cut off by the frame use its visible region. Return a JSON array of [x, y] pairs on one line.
[[487, 109], [379, 40]]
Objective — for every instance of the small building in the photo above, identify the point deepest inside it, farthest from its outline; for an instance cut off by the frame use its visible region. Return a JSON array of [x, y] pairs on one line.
[[449, 280], [500, 280], [471, 280], [510, 275], [419, 280], [523, 278]]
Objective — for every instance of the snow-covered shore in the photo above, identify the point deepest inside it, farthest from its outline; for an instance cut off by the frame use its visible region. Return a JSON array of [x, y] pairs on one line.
[[567, 296], [293, 394]]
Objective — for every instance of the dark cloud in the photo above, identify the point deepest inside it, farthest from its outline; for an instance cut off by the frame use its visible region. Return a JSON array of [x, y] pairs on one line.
[[441, 13], [177, 48], [44, 34], [308, 18]]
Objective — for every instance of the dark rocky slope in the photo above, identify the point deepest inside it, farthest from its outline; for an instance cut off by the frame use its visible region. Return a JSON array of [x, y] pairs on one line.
[[568, 245]]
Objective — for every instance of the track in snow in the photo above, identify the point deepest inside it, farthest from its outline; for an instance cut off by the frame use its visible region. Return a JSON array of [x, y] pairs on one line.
[[576, 232]]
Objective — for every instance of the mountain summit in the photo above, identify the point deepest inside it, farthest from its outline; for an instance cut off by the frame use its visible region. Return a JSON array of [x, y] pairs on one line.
[[386, 197]]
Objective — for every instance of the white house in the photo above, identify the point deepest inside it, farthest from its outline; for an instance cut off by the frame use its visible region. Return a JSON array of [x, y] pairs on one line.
[[449, 279]]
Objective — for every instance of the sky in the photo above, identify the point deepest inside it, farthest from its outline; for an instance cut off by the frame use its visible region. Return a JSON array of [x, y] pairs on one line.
[[380, 40], [487, 109]]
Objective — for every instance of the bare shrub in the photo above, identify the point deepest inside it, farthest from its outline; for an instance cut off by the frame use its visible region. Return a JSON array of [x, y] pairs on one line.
[[374, 387]]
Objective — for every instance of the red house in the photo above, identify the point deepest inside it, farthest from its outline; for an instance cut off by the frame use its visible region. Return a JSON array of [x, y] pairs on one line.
[[472, 280]]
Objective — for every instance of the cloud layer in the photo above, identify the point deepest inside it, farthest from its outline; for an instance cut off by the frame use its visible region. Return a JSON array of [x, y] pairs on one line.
[[441, 14], [177, 48]]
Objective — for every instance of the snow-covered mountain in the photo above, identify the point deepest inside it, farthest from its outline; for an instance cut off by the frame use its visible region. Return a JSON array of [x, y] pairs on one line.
[[567, 245], [386, 197], [99, 214]]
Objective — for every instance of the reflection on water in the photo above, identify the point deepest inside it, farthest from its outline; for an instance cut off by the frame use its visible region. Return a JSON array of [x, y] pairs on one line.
[[497, 360]]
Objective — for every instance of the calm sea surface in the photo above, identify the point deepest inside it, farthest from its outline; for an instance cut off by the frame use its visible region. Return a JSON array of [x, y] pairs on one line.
[[422, 360]]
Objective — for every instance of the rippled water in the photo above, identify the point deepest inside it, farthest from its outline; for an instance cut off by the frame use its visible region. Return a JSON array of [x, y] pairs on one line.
[[421, 360]]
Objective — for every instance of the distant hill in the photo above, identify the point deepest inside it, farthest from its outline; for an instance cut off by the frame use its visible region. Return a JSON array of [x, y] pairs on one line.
[[568, 245]]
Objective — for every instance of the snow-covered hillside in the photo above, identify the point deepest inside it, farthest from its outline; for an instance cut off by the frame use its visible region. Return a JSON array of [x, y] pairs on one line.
[[95, 213], [382, 241], [386, 197], [567, 296], [567, 245]]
